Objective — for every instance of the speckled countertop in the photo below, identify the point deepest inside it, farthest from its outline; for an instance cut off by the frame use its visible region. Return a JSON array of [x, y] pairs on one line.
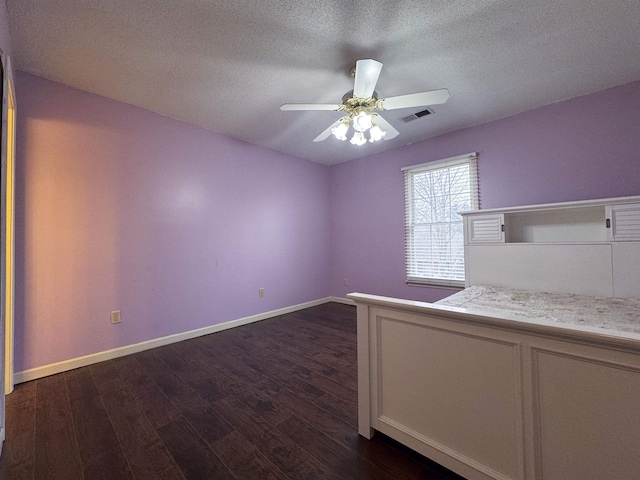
[[618, 314]]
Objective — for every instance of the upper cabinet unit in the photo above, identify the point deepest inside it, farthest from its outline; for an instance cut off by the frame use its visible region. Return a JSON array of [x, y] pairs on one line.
[[589, 247], [606, 220]]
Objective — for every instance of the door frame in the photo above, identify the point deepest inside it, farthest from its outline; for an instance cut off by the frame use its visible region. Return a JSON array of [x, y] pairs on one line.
[[7, 154]]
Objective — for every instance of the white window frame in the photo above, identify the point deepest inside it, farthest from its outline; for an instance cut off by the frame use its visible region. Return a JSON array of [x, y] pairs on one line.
[[451, 274]]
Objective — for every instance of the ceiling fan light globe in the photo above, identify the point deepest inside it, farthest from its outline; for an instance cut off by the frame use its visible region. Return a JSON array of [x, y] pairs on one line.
[[376, 134], [362, 122], [358, 139], [340, 132]]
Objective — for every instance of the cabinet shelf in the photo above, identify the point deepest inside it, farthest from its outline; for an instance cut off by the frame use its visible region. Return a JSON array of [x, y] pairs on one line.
[[586, 224]]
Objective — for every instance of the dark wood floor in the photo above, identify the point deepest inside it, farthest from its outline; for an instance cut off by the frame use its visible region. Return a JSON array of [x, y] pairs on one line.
[[271, 400]]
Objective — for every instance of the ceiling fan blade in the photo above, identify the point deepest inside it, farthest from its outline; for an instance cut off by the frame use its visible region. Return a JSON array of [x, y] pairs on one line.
[[386, 127], [433, 97], [309, 106], [367, 73], [324, 135]]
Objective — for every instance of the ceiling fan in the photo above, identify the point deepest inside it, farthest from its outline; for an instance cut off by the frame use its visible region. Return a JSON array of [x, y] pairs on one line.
[[360, 103]]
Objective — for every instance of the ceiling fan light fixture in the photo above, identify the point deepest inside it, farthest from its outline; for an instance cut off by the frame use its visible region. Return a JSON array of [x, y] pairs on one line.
[[358, 139], [376, 133], [340, 132], [362, 122]]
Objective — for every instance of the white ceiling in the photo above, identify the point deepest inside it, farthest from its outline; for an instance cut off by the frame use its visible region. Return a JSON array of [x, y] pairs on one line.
[[228, 65]]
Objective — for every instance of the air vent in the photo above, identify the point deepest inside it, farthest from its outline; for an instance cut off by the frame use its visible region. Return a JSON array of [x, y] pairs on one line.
[[417, 115]]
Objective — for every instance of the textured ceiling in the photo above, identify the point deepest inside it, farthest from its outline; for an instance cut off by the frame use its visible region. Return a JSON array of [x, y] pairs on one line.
[[229, 65]]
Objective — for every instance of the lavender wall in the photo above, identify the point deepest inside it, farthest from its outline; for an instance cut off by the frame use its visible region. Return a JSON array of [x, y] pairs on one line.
[[176, 226], [586, 147], [5, 38]]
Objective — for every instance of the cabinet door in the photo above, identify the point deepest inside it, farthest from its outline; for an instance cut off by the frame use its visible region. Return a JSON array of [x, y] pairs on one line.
[[487, 228], [623, 222]]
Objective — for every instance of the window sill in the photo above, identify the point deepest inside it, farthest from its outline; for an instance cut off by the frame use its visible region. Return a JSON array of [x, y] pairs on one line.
[[434, 285]]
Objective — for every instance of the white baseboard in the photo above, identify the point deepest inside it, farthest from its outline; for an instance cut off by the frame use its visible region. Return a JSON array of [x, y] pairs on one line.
[[59, 367], [346, 301]]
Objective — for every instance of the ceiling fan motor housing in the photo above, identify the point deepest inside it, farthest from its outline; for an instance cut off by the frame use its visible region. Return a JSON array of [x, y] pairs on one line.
[[355, 105]]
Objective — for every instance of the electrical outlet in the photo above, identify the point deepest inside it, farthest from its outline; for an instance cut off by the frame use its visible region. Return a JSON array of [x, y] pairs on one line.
[[346, 282], [115, 316], [261, 292]]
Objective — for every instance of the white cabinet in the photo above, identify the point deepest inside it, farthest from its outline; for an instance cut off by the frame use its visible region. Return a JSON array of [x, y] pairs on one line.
[[623, 222], [491, 398], [485, 228], [606, 220], [589, 247]]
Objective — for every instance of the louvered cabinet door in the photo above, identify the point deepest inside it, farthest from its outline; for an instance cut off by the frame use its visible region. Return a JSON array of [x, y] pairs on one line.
[[623, 222], [485, 228]]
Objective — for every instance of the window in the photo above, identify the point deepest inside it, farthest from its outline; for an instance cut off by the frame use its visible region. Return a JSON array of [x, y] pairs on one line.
[[434, 244]]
